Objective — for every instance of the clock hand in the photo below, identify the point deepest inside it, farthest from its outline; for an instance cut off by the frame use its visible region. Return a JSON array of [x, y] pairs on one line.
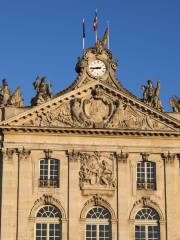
[[95, 67]]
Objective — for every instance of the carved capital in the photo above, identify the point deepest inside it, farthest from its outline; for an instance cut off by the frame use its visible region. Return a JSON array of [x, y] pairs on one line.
[[168, 157], [8, 153], [145, 156], [178, 156], [122, 157], [24, 153], [72, 155], [48, 153]]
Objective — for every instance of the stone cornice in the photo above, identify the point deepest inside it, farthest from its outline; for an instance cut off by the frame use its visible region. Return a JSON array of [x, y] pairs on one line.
[[93, 132]]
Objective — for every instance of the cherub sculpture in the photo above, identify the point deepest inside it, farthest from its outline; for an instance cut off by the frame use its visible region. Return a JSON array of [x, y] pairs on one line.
[[151, 95], [43, 90]]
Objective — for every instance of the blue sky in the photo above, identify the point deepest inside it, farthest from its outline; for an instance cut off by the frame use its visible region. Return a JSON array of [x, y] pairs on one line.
[[43, 37]]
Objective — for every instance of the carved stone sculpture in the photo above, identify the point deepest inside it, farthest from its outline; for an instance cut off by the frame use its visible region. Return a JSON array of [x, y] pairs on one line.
[[151, 95], [43, 90], [96, 169], [16, 98], [8, 99], [96, 109], [175, 103], [5, 93]]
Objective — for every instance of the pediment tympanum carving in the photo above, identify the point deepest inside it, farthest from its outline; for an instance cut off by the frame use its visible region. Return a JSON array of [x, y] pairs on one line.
[[97, 107]]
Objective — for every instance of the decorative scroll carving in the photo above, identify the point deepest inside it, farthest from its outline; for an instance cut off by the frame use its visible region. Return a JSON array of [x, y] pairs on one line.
[[48, 153], [145, 202], [151, 95], [24, 153], [9, 153], [169, 157], [43, 90], [8, 99], [145, 156], [122, 157], [97, 200], [97, 109], [175, 104], [96, 169]]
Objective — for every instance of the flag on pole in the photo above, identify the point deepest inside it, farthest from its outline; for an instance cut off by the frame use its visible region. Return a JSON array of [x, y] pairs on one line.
[[106, 36], [84, 33], [95, 23]]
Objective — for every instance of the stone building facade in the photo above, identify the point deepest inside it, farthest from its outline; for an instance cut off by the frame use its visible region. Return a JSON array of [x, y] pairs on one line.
[[93, 162]]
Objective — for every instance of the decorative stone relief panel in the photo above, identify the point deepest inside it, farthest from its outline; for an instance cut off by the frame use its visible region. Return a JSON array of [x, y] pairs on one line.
[[97, 171]]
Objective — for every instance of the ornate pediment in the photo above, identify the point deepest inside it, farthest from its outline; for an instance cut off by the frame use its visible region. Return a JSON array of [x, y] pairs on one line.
[[95, 106]]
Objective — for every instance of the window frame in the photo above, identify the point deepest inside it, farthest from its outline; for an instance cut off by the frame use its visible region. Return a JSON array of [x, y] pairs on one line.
[[147, 222], [48, 220], [148, 183], [53, 182], [99, 222]]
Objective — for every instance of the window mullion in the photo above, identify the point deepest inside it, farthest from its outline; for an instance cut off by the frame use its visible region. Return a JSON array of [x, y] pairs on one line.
[[145, 174], [49, 169], [97, 231]]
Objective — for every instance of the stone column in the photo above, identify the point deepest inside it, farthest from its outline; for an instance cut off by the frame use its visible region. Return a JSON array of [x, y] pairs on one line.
[[24, 192], [122, 193], [169, 195], [9, 194]]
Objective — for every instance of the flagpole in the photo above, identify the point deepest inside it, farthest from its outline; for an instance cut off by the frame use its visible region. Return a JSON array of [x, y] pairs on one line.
[[83, 37], [96, 26], [108, 34]]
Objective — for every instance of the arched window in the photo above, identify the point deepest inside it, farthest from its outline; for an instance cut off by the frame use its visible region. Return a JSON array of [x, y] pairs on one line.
[[146, 175], [48, 223], [49, 173], [98, 224], [147, 225]]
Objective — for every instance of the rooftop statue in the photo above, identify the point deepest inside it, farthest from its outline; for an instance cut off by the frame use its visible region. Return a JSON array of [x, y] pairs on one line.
[[8, 99], [151, 95], [43, 91], [175, 104], [5, 93]]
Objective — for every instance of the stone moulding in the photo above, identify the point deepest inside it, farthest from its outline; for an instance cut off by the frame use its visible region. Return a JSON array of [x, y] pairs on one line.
[[84, 131]]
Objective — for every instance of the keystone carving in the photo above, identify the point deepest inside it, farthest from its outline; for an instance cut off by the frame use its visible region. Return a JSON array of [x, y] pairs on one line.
[[145, 202], [96, 200], [48, 153], [96, 169], [145, 156]]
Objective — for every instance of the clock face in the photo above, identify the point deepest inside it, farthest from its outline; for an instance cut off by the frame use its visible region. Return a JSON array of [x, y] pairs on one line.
[[97, 68]]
